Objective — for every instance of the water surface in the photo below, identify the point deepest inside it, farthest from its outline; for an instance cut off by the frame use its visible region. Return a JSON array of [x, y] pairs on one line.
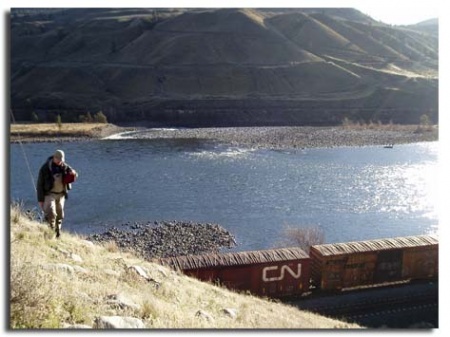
[[351, 193]]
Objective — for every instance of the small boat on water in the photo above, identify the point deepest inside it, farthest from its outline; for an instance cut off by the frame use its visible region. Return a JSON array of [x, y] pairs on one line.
[[389, 146]]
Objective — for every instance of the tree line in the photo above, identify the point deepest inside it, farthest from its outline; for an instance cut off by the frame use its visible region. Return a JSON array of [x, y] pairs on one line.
[[98, 117]]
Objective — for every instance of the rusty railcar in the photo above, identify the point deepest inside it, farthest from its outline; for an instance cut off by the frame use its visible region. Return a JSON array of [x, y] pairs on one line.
[[272, 273], [353, 264]]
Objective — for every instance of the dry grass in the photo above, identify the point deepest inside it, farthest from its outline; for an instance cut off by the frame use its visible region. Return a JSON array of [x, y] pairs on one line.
[[39, 132], [46, 129], [351, 125], [44, 297]]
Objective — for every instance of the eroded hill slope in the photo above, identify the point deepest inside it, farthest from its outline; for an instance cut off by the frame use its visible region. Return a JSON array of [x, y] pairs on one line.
[[215, 67]]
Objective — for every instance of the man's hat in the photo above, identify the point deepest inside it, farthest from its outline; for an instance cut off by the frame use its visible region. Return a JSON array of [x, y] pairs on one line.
[[59, 154]]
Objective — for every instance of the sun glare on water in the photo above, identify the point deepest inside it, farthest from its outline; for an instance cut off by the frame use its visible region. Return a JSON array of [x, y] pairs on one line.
[[406, 189]]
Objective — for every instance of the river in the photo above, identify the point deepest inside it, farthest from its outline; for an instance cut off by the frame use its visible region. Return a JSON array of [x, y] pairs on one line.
[[349, 193]]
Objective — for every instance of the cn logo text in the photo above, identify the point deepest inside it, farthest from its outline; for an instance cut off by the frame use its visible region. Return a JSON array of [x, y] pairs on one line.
[[277, 273]]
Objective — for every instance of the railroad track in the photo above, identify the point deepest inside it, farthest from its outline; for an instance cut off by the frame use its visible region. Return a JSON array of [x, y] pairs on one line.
[[417, 316], [400, 306]]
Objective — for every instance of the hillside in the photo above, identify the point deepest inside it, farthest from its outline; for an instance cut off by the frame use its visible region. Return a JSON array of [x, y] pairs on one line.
[[75, 284], [222, 67]]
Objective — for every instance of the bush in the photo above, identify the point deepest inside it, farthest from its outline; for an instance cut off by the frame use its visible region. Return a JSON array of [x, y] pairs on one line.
[[34, 117], [59, 122], [99, 117], [425, 124], [303, 237], [31, 300], [346, 122], [86, 118], [425, 120], [18, 212]]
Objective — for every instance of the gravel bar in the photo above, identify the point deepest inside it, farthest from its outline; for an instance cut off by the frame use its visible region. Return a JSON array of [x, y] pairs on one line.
[[277, 137], [296, 137], [168, 238]]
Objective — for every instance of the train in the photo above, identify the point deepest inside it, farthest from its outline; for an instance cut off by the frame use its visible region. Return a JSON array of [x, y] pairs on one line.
[[291, 272]]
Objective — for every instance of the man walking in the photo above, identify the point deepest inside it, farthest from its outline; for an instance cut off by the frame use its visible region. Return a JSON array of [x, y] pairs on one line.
[[54, 182]]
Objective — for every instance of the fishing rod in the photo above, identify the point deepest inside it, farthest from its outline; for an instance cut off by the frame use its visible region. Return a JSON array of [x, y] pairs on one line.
[[39, 215]]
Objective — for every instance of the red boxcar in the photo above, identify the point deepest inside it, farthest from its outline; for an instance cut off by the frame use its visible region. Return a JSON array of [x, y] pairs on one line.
[[352, 264], [272, 273]]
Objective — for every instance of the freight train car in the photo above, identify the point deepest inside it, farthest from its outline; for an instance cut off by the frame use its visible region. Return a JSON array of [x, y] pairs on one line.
[[273, 273], [353, 264], [330, 267]]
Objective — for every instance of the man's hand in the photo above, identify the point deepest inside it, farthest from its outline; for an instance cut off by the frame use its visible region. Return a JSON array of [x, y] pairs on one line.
[[74, 173]]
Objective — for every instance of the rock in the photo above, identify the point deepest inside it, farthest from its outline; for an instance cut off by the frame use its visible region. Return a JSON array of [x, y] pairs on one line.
[[118, 322], [87, 243], [230, 312], [204, 315], [76, 257], [73, 256], [140, 271], [121, 301], [63, 251], [65, 267], [162, 271], [60, 266], [173, 238]]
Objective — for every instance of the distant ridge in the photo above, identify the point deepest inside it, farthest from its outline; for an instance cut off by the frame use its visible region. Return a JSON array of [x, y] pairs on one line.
[[221, 67], [429, 22]]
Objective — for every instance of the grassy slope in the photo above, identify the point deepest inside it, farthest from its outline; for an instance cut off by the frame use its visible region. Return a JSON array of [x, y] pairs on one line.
[[49, 298]]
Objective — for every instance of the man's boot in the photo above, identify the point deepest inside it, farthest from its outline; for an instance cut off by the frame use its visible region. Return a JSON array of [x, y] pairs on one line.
[[58, 228]]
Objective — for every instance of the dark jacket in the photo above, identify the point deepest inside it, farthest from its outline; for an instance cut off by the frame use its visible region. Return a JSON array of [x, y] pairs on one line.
[[46, 180]]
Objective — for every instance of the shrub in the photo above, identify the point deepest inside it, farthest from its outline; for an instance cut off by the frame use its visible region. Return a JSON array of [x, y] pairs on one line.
[[111, 246], [148, 310], [86, 118], [346, 122], [425, 120], [303, 237], [59, 122], [16, 212], [425, 124], [32, 300], [34, 117], [99, 117]]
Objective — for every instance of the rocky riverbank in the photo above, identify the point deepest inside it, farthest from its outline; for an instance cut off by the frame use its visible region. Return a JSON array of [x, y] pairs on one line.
[[299, 137], [254, 137], [164, 239]]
